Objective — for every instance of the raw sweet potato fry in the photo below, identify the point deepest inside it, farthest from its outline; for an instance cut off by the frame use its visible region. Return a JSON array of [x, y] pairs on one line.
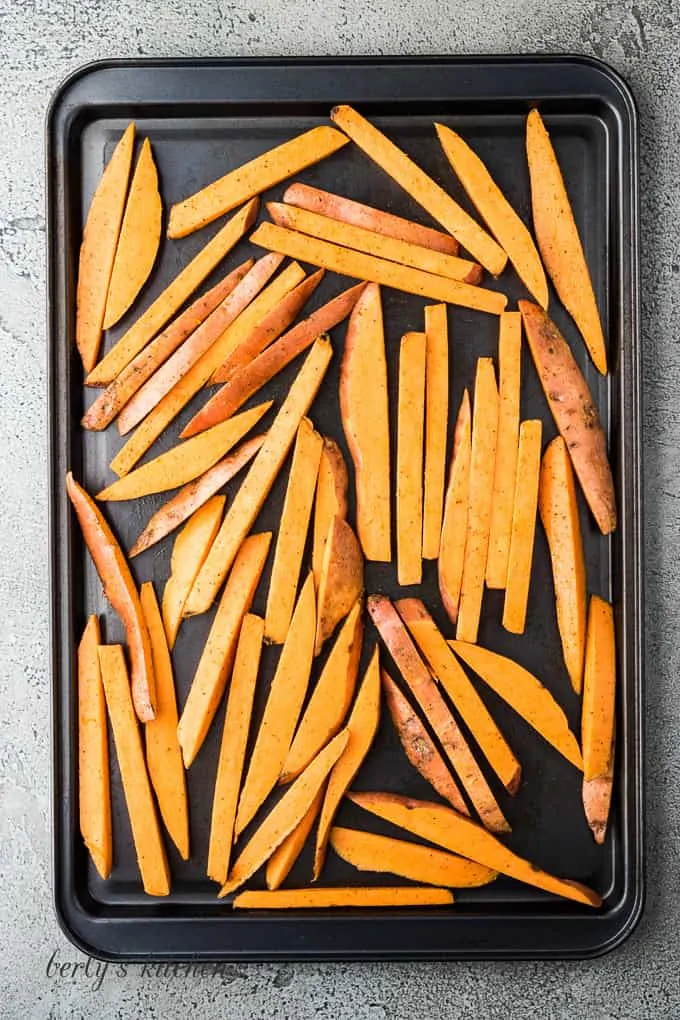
[[98, 249], [361, 727], [260, 478], [121, 591], [523, 531], [365, 420], [185, 461], [509, 362], [195, 346], [410, 436], [525, 694], [188, 553], [348, 262], [190, 384], [426, 693], [139, 237], [163, 754], [252, 178], [172, 298], [453, 540], [362, 896], [113, 399], [192, 496], [369, 852], [436, 422], [446, 828], [286, 815], [347, 211], [559, 513], [499, 216], [480, 496], [146, 833], [292, 537], [94, 793], [575, 413], [559, 241], [341, 581], [282, 711], [330, 500], [419, 746], [599, 716], [474, 713], [371, 243], [216, 661], [286, 854], [233, 746], [422, 188], [331, 698]]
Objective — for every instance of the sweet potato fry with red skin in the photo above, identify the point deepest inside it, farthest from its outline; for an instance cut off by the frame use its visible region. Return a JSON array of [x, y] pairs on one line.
[[121, 591]]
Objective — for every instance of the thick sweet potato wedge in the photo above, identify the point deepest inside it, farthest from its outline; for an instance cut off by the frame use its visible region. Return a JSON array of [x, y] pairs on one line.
[[94, 792], [341, 581], [598, 721], [286, 854], [330, 501]]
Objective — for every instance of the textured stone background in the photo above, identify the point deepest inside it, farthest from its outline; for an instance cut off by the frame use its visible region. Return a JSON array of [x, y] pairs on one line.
[[40, 42]]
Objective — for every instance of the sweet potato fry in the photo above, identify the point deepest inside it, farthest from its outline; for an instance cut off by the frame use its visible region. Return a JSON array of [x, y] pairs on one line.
[[523, 526], [282, 711], [172, 298], [286, 854], [599, 716], [185, 461], [361, 896], [446, 669], [369, 267], [233, 746], [558, 239], [260, 478], [453, 540], [347, 211], [499, 216], [426, 693], [195, 346], [559, 513], [419, 746], [163, 754], [190, 384], [94, 793], [370, 852], [575, 413], [121, 591], [286, 815], [98, 249], [252, 178], [436, 422], [188, 553], [525, 694], [216, 661], [113, 399], [331, 698], [192, 496], [509, 362], [480, 496], [448, 829], [410, 436], [138, 240], [146, 833], [422, 188], [342, 579], [371, 243], [361, 727], [365, 420], [292, 537], [330, 501]]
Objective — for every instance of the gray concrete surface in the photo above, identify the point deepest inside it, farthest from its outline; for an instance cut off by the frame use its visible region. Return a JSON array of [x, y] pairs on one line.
[[40, 42]]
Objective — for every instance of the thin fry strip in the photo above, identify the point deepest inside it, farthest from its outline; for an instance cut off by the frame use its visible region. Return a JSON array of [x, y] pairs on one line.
[[410, 432], [287, 853], [598, 721], [453, 541], [523, 526], [94, 793], [343, 896], [436, 421]]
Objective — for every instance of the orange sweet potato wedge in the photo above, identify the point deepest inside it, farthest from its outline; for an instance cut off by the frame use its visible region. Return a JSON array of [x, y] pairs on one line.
[[286, 854], [121, 591], [330, 501], [436, 424], [598, 721], [94, 792], [453, 541], [361, 896], [409, 471], [341, 581], [521, 553]]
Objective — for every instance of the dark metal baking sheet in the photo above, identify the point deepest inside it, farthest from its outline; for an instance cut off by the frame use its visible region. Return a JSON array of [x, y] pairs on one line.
[[203, 118]]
